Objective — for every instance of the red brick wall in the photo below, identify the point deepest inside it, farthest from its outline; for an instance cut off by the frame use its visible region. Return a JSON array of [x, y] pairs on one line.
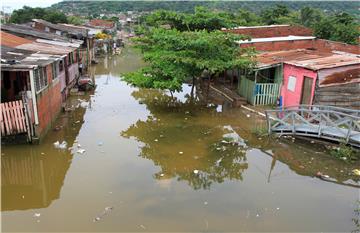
[[48, 103], [273, 31], [327, 45], [280, 45], [319, 44]]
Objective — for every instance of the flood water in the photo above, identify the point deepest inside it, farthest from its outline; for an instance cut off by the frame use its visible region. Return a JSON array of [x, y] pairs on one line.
[[157, 163]]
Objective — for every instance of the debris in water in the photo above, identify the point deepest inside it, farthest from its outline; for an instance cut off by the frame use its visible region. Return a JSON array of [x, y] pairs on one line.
[[180, 152], [59, 145], [356, 172], [156, 140], [37, 215], [102, 214], [22, 196], [80, 151], [312, 142], [161, 135], [247, 115], [143, 227], [205, 203], [162, 174], [78, 145], [257, 215], [42, 153], [278, 208], [100, 143], [196, 171]]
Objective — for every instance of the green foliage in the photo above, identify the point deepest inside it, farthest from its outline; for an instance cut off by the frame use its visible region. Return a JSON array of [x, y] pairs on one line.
[[26, 14], [274, 14], [203, 18], [260, 131], [75, 20], [345, 153], [175, 57], [340, 27], [310, 16]]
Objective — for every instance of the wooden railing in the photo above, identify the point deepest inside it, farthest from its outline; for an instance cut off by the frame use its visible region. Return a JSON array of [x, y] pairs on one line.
[[259, 93], [13, 118], [332, 123]]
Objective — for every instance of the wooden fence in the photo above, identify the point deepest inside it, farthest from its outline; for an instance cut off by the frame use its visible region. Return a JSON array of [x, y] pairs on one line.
[[13, 118], [266, 93], [259, 93]]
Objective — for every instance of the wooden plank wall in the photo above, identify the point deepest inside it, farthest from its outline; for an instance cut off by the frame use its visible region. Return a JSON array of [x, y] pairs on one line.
[[12, 118], [347, 95]]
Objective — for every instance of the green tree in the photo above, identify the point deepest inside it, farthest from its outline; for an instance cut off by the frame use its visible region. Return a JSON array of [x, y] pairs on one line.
[[26, 14], [75, 20], [175, 57], [309, 16], [340, 27], [272, 15]]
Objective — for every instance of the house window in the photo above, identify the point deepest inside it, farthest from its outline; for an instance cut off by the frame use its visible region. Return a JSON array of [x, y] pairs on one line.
[[40, 78], [55, 69], [291, 83], [61, 65]]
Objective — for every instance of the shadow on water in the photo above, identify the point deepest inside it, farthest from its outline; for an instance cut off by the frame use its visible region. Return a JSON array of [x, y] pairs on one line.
[[181, 136]]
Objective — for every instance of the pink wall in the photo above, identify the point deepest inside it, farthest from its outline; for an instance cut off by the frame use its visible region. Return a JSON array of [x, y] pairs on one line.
[[62, 78], [291, 98]]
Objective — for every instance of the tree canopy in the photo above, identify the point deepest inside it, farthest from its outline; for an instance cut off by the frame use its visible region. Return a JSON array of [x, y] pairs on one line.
[[26, 14], [175, 57]]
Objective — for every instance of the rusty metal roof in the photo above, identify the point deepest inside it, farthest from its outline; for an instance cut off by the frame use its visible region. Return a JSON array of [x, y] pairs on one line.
[[31, 32], [11, 40], [326, 62], [20, 59], [70, 30], [310, 59], [43, 46]]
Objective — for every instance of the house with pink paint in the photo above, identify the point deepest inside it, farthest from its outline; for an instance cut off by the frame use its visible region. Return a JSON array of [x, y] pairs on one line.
[[303, 76]]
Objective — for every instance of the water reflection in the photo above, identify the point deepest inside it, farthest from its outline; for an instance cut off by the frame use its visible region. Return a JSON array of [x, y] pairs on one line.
[[176, 139], [32, 175]]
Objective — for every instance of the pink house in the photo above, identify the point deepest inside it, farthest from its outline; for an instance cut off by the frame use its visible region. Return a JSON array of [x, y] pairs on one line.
[[298, 85], [306, 79]]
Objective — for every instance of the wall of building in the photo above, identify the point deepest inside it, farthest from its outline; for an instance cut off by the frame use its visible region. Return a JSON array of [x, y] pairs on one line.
[[280, 45], [266, 32], [344, 95], [291, 98], [328, 45], [48, 103]]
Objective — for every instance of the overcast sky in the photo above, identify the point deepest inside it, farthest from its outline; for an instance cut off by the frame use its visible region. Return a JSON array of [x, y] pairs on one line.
[[17, 4]]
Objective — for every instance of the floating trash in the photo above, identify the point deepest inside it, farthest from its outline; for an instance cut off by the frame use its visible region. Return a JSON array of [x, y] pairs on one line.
[[37, 215], [156, 140], [196, 171], [81, 151], [356, 172], [100, 143], [59, 145], [180, 152], [102, 214]]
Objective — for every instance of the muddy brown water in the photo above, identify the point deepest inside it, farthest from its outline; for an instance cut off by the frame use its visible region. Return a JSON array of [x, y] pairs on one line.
[[156, 163]]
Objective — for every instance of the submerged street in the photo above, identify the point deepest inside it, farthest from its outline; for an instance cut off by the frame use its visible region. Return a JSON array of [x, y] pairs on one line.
[[153, 162]]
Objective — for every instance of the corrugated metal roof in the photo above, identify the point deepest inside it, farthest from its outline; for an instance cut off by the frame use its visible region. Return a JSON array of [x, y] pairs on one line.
[[19, 59], [29, 31], [10, 40], [71, 30], [44, 46], [332, 61], [311, 59]]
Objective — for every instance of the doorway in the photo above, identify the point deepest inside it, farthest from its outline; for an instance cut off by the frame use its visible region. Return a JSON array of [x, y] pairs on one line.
[[306, 90]]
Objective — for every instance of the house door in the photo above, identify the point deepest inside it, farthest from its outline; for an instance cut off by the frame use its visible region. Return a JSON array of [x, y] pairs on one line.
[[306, 90]]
